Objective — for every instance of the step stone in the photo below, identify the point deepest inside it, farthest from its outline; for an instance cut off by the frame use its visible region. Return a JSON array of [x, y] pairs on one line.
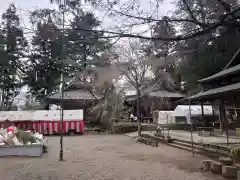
[[216, 167], [238, 175], [226, 161], [229, 171], [206, 165]]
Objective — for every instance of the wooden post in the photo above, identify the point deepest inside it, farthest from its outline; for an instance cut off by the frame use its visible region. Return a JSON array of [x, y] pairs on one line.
[[113, 125], [167, 125], [84, 113], [235, 106], [190, 120], [213, 113], [221, 109], [223, 119], [202, 109]]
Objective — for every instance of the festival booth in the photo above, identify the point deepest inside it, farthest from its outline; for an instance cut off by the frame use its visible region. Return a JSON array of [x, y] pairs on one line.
[[15, 140], [22, 132], [46, 122]]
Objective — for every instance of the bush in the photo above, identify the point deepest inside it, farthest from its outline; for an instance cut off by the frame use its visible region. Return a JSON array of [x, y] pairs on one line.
[[125, 127], [235, 153], [176, 126]]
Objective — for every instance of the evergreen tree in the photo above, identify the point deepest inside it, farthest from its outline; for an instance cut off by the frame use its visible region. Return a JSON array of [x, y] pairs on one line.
[[207, 54], [44, 59], [12, 48], [81, 49]]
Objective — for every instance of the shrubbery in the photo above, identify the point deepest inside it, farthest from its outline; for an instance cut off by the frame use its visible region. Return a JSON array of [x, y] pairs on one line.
[[125, 127], [235, 153]]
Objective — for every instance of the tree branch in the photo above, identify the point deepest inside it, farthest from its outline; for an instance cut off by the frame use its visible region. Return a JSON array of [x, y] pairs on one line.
[[175, 38], [189, 10], [150, 19], [225, 5]]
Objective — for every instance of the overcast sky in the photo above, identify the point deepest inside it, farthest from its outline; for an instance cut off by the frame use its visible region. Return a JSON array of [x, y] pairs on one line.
[[24, 6]]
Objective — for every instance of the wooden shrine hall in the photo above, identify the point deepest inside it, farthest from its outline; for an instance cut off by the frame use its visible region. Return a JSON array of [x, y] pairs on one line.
[[222, 90]]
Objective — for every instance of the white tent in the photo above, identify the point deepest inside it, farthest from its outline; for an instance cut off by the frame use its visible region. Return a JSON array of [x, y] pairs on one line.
[[165, 117], [196, 110]]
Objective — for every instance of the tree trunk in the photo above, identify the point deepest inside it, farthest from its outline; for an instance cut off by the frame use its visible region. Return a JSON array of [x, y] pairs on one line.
[[138, 112]]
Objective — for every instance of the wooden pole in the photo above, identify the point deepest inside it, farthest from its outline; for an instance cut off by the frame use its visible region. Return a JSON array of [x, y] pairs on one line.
[[224, 120], [167, 125], [202, 109], [226, 125], [213, 113], [62, 85], [221, 116], [190, 121]]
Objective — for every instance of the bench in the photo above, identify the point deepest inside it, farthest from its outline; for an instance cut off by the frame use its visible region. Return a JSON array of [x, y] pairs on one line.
[[201, 129]]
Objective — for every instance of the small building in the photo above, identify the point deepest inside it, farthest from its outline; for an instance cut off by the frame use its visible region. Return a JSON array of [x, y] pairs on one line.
[[76, 96], [160, 100]]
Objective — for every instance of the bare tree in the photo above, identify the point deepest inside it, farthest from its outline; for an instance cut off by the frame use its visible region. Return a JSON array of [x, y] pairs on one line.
[[137, 69], [205, 17]]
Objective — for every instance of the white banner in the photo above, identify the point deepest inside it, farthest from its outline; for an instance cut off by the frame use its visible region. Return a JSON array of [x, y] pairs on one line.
[[73, 114]]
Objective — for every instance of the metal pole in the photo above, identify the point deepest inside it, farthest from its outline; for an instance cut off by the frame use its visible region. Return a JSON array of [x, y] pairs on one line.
[[190, 121], [62, 86]]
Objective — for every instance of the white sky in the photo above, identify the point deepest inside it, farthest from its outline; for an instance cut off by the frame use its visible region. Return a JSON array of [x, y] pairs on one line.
[[148, 6]]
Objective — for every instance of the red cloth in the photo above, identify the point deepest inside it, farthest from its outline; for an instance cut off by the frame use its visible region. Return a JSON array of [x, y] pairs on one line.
[[10, 129]]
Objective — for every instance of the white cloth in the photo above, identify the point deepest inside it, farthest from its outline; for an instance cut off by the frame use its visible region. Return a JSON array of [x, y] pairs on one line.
[[133, 117], [16, 141], [2, 139]]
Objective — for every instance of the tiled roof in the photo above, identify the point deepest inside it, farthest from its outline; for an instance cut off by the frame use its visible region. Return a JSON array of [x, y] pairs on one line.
[[166, 94], [225, 72], [75, 95], [224, 89], [159, 94]]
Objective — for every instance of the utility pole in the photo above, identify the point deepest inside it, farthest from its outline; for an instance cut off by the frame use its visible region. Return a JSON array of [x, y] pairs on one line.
[[62, 83]]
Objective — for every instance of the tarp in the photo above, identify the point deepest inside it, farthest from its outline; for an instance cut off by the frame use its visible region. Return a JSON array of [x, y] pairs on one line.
[[196, 110]]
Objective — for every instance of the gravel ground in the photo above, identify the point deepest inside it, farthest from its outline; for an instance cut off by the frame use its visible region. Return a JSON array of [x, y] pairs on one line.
[[105, 157]]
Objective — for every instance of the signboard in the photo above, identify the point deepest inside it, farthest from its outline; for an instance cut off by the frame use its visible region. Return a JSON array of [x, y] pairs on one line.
[[73, 114]]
